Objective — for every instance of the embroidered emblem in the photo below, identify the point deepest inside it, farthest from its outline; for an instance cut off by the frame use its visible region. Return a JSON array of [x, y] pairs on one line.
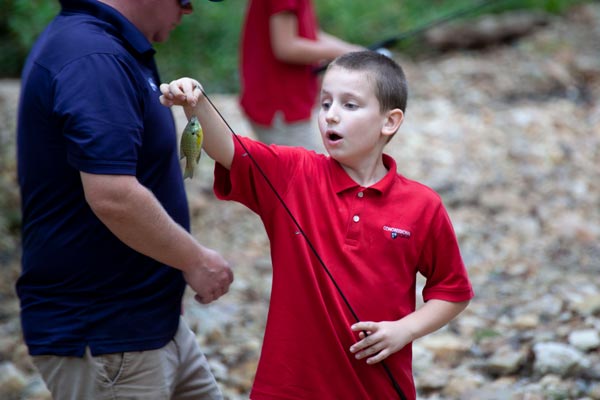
[[396, 232], [152, 84]]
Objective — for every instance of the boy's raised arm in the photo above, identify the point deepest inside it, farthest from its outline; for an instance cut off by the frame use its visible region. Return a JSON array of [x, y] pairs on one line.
[[218, 139]]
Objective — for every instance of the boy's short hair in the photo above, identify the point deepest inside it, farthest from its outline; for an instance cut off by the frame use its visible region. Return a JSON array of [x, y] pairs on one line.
[[391, 88]]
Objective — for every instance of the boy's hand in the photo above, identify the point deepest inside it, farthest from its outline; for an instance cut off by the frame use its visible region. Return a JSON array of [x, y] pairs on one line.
[[387, 337], [382, 340], [181, 92], [218, 136]]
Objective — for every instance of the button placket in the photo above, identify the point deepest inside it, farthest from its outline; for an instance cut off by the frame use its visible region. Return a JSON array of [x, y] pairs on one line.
[[354, 228], [360, 195]]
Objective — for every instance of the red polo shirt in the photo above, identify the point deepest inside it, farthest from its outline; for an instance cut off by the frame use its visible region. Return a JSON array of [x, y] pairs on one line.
[[373, 240], [267, 84]]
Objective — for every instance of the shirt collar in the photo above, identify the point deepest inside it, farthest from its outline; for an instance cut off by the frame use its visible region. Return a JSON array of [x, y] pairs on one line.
[[129, 32], [342, 181]]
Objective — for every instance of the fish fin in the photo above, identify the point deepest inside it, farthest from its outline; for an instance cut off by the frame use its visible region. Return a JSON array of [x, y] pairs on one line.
[[189, 169]]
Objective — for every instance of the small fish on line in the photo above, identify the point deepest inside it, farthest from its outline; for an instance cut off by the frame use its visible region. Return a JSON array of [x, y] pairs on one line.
[[190, 146]]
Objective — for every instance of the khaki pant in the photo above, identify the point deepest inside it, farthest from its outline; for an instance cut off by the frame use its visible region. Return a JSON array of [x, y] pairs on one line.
[[303, 133], [177, 371]]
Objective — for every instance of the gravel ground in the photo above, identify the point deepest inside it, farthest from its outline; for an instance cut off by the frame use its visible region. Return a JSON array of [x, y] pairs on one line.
[[510, 137]]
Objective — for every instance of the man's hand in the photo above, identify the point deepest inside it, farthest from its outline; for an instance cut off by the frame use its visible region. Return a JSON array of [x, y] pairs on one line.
[[211, 279]]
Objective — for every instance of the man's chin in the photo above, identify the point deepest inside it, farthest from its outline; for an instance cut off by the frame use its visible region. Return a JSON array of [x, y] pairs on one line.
[[160, 37]]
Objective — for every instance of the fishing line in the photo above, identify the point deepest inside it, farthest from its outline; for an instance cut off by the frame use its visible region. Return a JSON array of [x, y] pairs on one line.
[[299, 227], [442, 20]]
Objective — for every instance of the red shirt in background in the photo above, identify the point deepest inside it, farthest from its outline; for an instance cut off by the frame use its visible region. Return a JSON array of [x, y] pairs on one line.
[[269, 85]]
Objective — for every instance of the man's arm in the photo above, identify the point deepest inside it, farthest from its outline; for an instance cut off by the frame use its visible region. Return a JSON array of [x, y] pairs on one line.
[[218, 139], [387, 337], [133, 214]]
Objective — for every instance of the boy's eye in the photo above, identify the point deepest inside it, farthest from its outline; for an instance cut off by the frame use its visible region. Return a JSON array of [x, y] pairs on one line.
[[325, 105], [351, 106]]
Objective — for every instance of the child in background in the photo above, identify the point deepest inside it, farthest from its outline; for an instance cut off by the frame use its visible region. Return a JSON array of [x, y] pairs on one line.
[[281, 43], [373, 229]]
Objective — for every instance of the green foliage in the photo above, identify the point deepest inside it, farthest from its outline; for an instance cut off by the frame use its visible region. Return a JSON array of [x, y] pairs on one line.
[[369, 22], [373, 21], [21, 21], [206, 44]]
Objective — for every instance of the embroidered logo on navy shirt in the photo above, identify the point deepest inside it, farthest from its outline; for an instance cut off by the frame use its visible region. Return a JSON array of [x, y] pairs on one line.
[[152, 84], [396, 232]]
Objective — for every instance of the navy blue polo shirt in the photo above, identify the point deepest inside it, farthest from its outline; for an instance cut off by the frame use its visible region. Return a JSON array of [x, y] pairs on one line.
[[90, 102]]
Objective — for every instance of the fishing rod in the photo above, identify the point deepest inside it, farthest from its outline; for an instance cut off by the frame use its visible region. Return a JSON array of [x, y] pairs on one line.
[[393, 40], [305, 236]]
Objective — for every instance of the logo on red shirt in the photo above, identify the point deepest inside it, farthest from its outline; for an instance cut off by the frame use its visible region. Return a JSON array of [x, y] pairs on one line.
[[397, 232]]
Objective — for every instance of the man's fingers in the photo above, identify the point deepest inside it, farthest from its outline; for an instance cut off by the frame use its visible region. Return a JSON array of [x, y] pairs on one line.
[[206, 299], [212, 296]]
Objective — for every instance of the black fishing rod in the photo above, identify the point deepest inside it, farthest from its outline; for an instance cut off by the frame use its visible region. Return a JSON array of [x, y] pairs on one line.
[[393, 40], [310, 244]]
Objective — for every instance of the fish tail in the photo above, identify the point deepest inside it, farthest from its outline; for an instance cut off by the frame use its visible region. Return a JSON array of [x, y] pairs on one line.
[[189, 170]]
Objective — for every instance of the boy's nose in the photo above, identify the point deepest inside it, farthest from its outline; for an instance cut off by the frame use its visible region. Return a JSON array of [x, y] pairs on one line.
[[332, 116]]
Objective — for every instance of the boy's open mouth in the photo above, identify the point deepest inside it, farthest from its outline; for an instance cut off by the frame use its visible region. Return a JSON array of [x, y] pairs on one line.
[[332, 136]]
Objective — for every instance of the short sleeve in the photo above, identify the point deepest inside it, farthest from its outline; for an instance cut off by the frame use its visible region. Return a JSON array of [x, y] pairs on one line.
[[441, 262], [101, 115]]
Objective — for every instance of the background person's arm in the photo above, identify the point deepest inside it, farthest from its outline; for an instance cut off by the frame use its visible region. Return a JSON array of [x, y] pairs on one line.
[[290, 48]]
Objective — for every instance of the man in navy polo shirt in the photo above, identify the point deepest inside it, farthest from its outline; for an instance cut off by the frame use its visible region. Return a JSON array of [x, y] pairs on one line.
[[106, 245]]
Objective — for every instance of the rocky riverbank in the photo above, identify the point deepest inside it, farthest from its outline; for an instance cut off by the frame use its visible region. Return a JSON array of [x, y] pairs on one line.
[[510, 137]]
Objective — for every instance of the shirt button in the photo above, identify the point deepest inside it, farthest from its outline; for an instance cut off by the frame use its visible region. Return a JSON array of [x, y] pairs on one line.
[[361, 194], [356, 218]]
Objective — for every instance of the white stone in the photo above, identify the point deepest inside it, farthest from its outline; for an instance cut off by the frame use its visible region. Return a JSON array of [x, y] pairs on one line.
[[585, 340]]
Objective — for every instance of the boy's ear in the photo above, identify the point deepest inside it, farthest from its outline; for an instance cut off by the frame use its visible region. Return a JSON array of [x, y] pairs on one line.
[[394, 119]]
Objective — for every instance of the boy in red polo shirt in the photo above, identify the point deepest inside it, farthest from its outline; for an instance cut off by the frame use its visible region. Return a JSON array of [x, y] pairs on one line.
[[372, 229]]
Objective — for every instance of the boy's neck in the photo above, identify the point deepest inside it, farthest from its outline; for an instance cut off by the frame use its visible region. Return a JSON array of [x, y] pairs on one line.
[[366, 174]]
